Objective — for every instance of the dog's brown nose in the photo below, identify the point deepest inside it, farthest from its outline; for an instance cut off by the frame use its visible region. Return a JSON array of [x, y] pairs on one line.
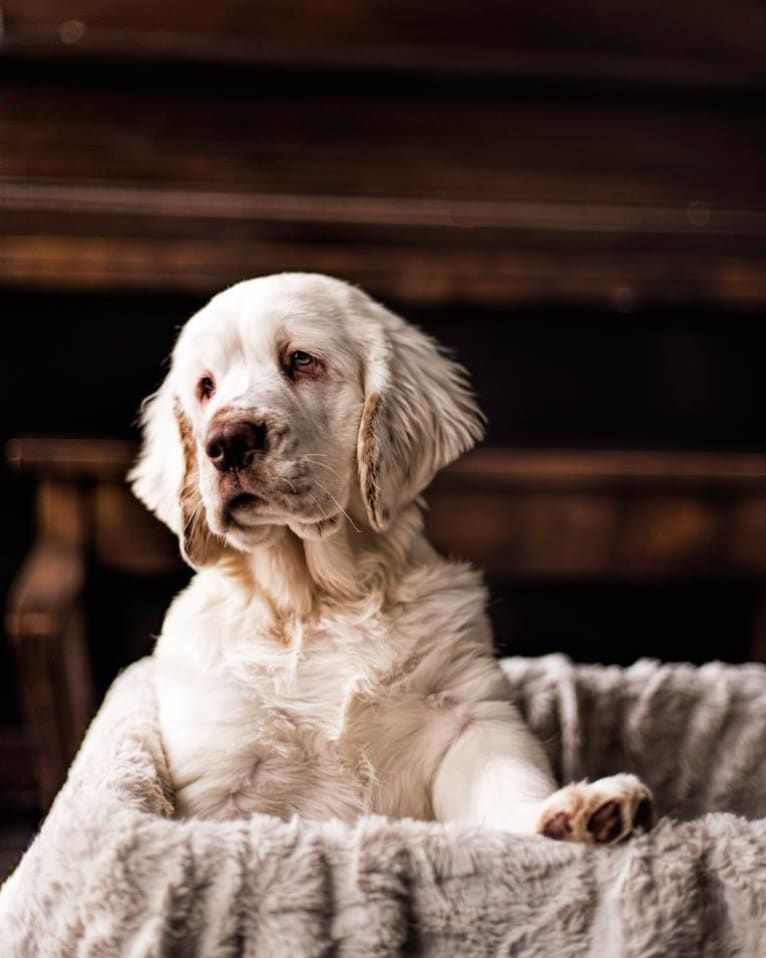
[[232, 445]]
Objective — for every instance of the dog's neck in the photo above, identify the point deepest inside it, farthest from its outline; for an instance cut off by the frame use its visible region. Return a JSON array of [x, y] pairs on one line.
[[288, 577]]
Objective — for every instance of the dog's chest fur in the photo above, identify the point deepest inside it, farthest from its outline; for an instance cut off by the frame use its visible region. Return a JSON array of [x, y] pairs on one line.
[[322, 720]]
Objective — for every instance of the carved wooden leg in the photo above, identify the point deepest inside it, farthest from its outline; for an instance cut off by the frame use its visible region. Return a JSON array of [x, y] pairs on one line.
[[44, 621]]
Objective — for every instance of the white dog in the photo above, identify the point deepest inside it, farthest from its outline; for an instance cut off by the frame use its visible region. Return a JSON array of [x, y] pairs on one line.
[[325, 661]]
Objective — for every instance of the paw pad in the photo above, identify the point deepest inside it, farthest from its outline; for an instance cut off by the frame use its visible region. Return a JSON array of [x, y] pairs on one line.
[[598, 813], [558, 827], [605, 824]]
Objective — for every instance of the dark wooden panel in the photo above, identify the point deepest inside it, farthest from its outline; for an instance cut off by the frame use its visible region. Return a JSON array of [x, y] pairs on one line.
[[603, 515], [421, 199], [18, 787], [104, 460], [686, 42], [613, 470], [422, 276], [596, 535], [260, 138]]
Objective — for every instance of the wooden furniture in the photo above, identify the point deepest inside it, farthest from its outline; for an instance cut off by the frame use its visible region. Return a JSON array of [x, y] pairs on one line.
[[83, 515], [519, 515], [586, 154], [579, 186]]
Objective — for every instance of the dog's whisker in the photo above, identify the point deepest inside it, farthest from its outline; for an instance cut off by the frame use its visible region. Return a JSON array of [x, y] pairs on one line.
[[343, 511], [319, 507], [325, 465]]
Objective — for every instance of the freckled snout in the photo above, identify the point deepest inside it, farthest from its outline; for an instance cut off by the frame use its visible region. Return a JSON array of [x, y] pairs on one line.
[[231, 446]]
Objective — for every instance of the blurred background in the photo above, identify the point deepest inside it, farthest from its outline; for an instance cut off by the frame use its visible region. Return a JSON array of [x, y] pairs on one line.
[[571, 195]]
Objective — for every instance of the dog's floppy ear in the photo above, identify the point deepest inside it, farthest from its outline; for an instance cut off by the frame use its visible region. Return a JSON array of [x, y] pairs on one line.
[[165, 477], [419, 415]]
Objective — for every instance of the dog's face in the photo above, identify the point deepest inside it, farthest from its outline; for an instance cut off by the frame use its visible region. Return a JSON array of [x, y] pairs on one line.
[[269, 385], [292, 400]]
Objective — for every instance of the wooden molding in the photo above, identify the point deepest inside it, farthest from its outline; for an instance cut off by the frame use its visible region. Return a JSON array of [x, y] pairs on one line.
[[707, 43], [518, 514], [425, 198]]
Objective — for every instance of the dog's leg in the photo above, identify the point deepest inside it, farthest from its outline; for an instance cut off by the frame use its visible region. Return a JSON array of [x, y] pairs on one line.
[[495, 774]]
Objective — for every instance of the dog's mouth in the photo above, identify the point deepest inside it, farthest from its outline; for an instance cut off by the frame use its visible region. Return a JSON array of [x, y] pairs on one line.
[[240, 504], [243, 500], [243, 503]]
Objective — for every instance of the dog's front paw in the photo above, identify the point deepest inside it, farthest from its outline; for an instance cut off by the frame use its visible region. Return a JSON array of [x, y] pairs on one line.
[[598, 813]]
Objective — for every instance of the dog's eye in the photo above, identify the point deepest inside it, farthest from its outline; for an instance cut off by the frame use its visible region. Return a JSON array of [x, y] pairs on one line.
[[206, 387], [301, 362]]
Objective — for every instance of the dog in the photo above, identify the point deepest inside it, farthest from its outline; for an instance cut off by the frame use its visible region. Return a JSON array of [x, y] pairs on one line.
[[325, 661]]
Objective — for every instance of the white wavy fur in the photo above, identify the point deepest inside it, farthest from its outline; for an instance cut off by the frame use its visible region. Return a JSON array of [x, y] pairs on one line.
[[325, 661]]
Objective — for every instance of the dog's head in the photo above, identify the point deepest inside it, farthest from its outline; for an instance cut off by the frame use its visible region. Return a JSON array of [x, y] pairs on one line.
[[291, 400]]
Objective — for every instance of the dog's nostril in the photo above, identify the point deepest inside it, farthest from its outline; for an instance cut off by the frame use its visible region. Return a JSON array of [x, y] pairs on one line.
[[216, 453]]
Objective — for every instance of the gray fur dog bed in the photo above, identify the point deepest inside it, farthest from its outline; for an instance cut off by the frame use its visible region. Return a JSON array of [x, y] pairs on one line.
[[112, 874]]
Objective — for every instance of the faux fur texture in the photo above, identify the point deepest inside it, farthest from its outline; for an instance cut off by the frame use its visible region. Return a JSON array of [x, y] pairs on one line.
[[112, 874]]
